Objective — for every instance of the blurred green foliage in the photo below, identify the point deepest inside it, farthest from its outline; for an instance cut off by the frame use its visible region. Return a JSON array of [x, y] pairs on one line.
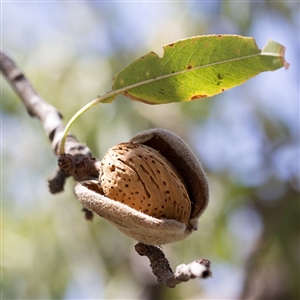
[[247, 139]]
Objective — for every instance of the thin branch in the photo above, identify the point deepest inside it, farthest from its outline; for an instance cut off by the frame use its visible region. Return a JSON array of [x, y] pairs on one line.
[[161, 267], [50, 118]]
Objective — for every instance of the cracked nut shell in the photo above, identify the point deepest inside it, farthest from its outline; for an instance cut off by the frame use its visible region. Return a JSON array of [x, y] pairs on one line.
[[153, 208]]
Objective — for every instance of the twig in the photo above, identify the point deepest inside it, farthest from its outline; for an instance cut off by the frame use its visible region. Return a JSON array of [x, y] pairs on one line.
[[161, 268], [51, 120]]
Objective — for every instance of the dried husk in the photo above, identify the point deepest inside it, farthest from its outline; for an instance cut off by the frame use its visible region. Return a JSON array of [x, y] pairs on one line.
[[138, 225]]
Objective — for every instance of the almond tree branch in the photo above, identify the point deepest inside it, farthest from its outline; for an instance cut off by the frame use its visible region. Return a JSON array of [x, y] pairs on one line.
[[161, 268], [51, 120]]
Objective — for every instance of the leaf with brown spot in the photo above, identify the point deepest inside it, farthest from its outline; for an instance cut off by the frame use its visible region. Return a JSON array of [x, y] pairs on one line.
[[197, 67]]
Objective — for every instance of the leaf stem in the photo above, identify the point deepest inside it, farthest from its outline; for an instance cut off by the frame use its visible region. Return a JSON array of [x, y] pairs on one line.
[[104, 99]]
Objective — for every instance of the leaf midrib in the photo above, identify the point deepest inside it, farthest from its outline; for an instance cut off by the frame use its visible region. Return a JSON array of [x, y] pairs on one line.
[[157, 78]]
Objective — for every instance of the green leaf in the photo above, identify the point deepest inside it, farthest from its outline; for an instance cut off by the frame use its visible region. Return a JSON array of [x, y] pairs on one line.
[[197, 67], [189, 69]]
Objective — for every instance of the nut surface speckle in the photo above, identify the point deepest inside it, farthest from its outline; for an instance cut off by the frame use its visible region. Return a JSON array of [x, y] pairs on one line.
[[140, 177]]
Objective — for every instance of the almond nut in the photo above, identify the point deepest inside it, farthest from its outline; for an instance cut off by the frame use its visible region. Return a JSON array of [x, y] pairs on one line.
[[143, 179], [135, 180]]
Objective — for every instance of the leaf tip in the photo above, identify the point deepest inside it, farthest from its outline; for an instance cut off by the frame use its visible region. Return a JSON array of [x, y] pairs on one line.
[[274, 48], [285, 64]]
